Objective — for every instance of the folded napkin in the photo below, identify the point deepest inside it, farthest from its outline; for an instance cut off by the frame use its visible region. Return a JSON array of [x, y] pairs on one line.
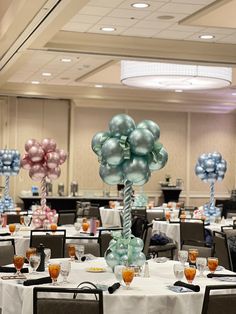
[[39, 281], [194, 288], [179, 289], [114, 287], [4, 234], [7, 269], [220, 275]]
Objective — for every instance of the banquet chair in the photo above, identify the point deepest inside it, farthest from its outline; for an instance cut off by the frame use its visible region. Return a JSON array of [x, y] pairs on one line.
[[91, 247], [154, 215], [66, 217], [56, 304], [192, 233], [219, 303], [221, 250], [13, 219], [92, 212], [53, 240], [7, 251]]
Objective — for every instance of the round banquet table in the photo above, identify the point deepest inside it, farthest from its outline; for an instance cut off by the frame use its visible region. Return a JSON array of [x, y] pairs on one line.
[[146, 295]]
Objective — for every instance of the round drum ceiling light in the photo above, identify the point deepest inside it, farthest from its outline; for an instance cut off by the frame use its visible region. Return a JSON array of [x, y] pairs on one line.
[[169, 76]]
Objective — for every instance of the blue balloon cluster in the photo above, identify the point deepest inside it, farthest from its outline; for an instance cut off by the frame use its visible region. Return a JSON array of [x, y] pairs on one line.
[[9, 162], [129, 151], [6, 203], [211, 167]]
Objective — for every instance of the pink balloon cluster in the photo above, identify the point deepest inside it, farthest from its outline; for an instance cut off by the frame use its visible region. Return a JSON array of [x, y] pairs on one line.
[[43, 159], [43, 216]]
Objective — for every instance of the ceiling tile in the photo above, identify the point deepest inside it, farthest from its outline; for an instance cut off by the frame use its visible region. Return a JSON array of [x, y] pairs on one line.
[[117, 21], [85, 18], [206, 2], [134, 31], [125, 13], [172, 34], [105, 3], [154, 24], [180, 8], [76, 27], [90, 10], [184, 28]]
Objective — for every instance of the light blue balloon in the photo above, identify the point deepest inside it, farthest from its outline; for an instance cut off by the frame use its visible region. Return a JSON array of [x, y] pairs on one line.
[[112, 259], [209, 165], [98, 140], [139, 259], [142, 182], [121, 124], [202, 159], [151, 126], [135, 169], [136, 244], [121, 249], [141, 142], [112, 152], [124, 259], [161, 160], [111, 175]]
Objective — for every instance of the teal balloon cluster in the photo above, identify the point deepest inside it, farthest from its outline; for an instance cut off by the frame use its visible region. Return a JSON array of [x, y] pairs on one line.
[[129, 151]]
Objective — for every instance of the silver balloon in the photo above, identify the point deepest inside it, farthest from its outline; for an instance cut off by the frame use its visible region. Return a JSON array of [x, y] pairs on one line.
[[221, 168], [111, 175], [121, 124], [141, 142], [144, 181], [112, 152], [151, 126], [209, 165], [161, 160], [216, 156], [202, 159], [136, 169], [200, 172], [98, 140], [211, 177], [220, 177]]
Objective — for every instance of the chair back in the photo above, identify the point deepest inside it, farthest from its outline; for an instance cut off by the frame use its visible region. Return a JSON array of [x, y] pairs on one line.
[[13, 219], [221, 250], [219, 303], [90, 247], [52, 240], [7, 251], [146, 238], [152, 215], [56, 304], [66, 217], [192, 233]]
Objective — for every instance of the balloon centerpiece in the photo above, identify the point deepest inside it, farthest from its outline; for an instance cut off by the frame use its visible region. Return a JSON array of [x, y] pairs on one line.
[[9, 166], [43, 160], [128, 154], [210, 168]]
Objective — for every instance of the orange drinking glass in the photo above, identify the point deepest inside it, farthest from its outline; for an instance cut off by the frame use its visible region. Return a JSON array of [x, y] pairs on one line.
[[54, 271], [128, 275], [30, 251], [85, 226], [190, 272], [18, 261], [192, 255], [53, 227], [22, 221], [71, 251], [12, 228], [212, 263], [167, 215]]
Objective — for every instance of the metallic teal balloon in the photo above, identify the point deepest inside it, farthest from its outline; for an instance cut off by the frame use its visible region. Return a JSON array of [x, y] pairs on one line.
[[111, 175], [151, 126], [112, 152], [136, 244], [121, 124], [141, 142], [159, 161], [112, 259], [98, 140], [139, 259], [209, 165], [142, 182], [136, 169]]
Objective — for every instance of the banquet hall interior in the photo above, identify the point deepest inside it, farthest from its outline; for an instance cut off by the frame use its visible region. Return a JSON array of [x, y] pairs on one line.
[[68, 68]]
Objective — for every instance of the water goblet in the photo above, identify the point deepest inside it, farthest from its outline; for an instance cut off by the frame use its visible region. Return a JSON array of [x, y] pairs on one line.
[[18, 261], [118, 272], [54, 271], [201, 263], [27, 220], [190, 272], [79, 251], [178, 271], [34, 262], [212, 263], [71, 252], [47, 253], [128, 275], [183, 256], [65, 270]]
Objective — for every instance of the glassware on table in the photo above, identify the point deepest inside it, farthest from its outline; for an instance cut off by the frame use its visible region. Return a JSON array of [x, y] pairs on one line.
[[192, 255], [178, 271], [22, 220], [79, 251], [34, 262], [201, 263], [190, 272], [18, 261], [53, 226], [65, 270], [27, 220], [12, 228], [128, 275], [85, 226], [212, 263], [47, 253], [183, 256], [30, 251], [118, 272], [17, 228], [71, 251], [167, 215], [54, 271]]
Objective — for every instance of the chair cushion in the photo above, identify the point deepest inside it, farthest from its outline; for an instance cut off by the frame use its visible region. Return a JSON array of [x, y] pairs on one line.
[[162, 248]]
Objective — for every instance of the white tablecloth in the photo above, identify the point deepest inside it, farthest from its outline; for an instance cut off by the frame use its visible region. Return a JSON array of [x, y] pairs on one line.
[[145, 296], [110, 217]]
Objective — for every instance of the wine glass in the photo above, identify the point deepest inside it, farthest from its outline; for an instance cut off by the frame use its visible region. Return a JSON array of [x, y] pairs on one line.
[[128, 275], [34, 262], [183, 256], [54, 271], [178, 271], [71, 252], [27, 220], [47, 253], [118, 272], [12, 228], [201, 263], [65, 270], [212, 263], [192, 255], [18, 261], [79, 251], [190, 272], [30, 251]]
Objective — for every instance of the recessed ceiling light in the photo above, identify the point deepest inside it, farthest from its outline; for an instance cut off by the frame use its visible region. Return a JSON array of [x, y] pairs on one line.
[[233, 94], [35, 82], [166, 17], [46, 74], [178, 90], [98, 85], [206, 36], [140, 5], [107, 29], [65, 60]]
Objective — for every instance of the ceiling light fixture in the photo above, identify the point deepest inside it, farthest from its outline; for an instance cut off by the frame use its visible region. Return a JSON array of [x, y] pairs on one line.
[[108, 29], [98, 85], [35, 82], [168, 76], [140, 5], [46, 74], [66, 60], [179, 91], [206, 36], [233, 94]]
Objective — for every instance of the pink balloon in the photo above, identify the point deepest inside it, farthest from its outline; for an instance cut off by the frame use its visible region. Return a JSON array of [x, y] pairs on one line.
[[54, 173], [52, 160], [36, 153], [62, 155], [37, 172], [26, 163], [48, 145], [30, 143], [36, 222]]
